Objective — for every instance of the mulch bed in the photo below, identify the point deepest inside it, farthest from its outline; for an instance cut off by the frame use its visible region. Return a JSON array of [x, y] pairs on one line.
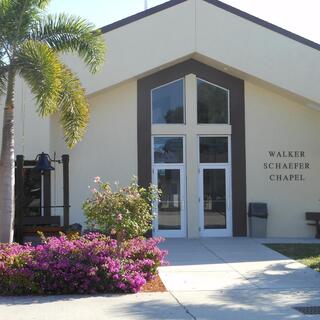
[[155, 285]]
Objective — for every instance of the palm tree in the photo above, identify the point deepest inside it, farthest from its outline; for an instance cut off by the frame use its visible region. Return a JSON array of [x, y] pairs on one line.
[[30, 44]]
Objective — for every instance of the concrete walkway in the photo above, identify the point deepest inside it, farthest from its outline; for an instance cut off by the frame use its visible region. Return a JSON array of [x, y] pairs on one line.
[[207, 279], [238, 278]]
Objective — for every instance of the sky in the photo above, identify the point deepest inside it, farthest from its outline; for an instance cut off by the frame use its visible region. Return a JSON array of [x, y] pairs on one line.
[[298, 16]]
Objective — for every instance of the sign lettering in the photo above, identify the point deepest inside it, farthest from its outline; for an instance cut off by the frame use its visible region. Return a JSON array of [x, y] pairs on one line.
[[291, 163]]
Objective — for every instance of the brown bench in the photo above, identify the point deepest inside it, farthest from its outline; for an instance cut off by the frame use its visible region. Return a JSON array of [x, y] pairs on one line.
[[314, 216]]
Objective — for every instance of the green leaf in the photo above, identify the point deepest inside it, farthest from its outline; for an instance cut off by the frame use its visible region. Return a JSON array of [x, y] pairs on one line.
[[17, 17], [65, 33], [73, 108], [40, 67], [30, 44]]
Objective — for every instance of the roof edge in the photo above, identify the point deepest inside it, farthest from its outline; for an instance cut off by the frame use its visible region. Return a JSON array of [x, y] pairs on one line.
[[140, 15], [264, 24], [219, 4]]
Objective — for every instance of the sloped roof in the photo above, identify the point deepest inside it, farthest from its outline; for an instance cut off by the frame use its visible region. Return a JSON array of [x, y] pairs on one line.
[[218, 4]]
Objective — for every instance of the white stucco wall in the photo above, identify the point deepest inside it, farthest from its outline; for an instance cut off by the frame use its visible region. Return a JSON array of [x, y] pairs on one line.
[[197, 27], [257, 51], [108, 150], [141, 46], [275, 123]]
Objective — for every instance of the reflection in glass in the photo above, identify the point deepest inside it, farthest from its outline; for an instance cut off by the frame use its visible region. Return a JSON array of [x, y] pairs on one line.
[[212, 103], [169, 207], [214, 198], [168, 103], [168, 150], [213, 149]]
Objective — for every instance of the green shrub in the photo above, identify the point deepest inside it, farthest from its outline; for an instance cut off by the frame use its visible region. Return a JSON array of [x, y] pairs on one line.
[[125, 213]]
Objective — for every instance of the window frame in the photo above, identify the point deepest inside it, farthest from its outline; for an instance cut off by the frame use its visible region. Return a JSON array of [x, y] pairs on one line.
[[168, 136], [215, 163], [184, 102], [228, 106]]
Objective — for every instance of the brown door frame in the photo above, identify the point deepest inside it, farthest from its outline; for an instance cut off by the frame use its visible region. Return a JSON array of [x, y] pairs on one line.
[[237, 120]]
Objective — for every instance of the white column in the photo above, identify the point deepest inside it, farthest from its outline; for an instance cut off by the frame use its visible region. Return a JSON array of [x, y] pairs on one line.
[[192, 157]]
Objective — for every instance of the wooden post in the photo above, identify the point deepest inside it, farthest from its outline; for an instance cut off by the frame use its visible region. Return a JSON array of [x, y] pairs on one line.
[[47, 193], [66, 203], [19, 203]]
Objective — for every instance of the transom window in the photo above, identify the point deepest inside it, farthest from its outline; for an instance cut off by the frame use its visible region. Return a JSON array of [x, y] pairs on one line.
[[213, 149], [168, 103], [212, 104], [168, 149]]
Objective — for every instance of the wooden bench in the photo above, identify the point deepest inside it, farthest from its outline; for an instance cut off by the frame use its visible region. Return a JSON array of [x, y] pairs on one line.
[[314, 216]]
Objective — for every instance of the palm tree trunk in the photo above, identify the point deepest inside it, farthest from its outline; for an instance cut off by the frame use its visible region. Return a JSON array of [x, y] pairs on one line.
[[7, 166]]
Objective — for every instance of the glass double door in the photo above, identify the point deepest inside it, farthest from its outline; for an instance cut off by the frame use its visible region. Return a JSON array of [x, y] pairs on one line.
[[215, 214], [210, 199], [170, 210]]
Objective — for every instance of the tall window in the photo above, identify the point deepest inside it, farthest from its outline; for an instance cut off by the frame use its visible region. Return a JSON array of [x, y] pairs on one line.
[[168, 103], [213, 103]]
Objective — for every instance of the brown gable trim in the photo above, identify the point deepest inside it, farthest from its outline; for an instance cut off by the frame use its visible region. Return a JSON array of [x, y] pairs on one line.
[[218, 4], [237, 112], [140, 15], [264, 24]]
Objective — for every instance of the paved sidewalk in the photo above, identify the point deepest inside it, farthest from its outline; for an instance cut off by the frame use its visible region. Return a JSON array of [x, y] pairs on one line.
[[143, 306], [217, 278], [238, 278]]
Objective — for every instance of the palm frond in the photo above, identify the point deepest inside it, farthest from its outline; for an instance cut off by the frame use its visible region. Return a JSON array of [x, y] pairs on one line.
[[73, 108], [39, 65], [72, 34], [17, 17], [55, 88], [8, 18], [41, 4]]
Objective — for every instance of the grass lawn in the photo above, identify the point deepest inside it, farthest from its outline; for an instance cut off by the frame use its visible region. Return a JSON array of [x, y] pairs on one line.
[[308, 254]]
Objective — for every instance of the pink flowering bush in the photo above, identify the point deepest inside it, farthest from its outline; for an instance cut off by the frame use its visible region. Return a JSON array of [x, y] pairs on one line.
[[86, 264], [125, 212]]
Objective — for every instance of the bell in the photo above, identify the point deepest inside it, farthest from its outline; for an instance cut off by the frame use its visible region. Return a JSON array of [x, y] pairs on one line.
[[43, 163]]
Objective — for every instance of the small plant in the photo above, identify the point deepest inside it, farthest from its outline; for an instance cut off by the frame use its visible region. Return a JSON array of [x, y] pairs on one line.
[[124, 213]]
